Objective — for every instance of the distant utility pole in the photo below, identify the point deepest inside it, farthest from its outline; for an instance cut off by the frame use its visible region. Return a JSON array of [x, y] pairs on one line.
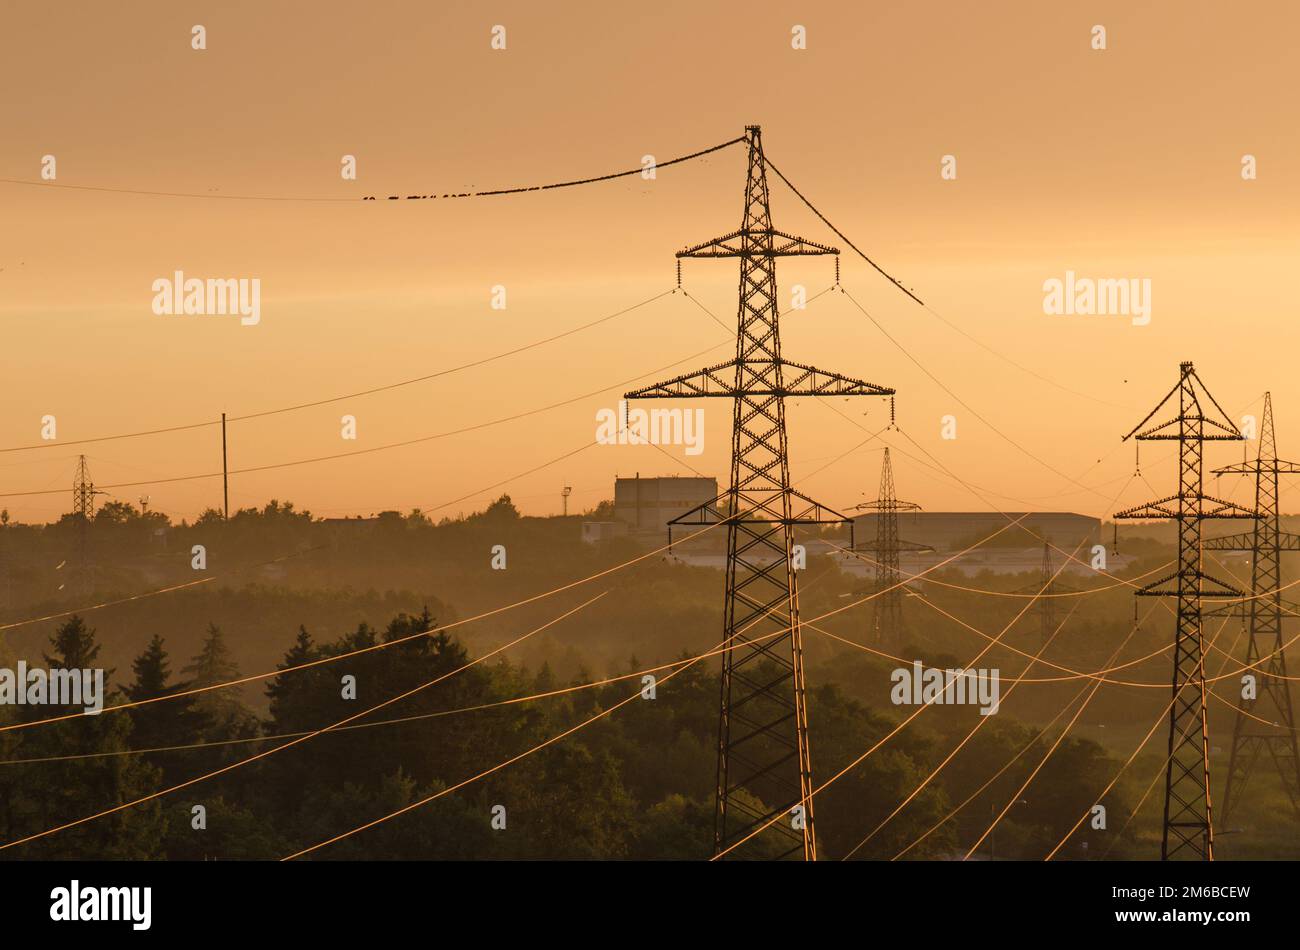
[[565, 492], [888, 625], [225, 474], [1264, 716], [1188, 824], [764, 780]]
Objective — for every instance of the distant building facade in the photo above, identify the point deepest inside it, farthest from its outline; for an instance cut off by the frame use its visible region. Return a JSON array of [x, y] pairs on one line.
[[648, 504]]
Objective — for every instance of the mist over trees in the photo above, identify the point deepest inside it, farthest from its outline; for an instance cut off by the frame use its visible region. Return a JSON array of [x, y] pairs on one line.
[[396, 597]]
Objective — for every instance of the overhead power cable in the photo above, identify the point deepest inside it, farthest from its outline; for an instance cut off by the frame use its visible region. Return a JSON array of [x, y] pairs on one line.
[[485, 193], [812, 793], [472, 364], [383, 645], [293, 742], [952, 326], [378, 448], [493, 192]]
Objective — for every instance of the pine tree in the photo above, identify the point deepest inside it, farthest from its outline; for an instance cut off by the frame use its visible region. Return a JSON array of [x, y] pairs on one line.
[[214, 663], [61, 790], [170, 722], [228, 717], [284, 691], [151, 672], [74, 647]]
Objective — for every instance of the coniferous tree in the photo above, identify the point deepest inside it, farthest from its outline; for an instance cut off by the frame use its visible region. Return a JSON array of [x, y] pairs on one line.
[[86, 769], [227, 716], [165, 723]]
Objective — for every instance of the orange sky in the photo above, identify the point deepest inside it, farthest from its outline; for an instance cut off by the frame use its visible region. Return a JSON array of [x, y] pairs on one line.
[[1123, 163]]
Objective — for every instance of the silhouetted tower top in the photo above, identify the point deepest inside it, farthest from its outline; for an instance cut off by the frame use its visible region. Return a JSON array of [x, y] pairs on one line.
[[83, 490]]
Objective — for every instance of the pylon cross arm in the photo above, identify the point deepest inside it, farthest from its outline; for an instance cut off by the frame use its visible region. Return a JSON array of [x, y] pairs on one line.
[[1222, 508], [1260, 467], [758, 242], [1217, 588], [1244, 541], [1152, 510], [1290, 609], [817, 513], [1207, 507], [1172, 431], [720, 509], [810, 381], [759, 378], [887, 505]]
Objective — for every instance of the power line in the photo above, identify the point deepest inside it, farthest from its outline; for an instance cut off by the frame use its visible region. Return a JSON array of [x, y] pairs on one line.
[[965, 405], [472, 364], [1055, 745], [842, 236], [464, 194], [245, 740], [1129, 761], [934, 773], [893, 732], [153, 593], [998, 774], [378, 646], [565, 184], [378, 448], [899, 284], [293, 742]]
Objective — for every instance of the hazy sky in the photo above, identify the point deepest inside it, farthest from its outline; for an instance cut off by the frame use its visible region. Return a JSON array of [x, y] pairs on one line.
[[1123, 163]]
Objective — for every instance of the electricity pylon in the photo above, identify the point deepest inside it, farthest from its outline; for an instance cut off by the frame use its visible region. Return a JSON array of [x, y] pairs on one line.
[[1046, 589], [887, 623], [83, 507], [1188, 823], [1270, 698], [764, 778], [5, 567]]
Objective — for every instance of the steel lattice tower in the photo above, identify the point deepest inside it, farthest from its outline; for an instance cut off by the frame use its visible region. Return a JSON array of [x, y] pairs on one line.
[[1272, 700], [887, 623], [1046, 589], [1188, 824], [764, 763], [83, 507]]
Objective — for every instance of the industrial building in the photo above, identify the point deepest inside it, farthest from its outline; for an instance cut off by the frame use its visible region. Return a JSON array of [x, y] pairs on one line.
[[648, 504]]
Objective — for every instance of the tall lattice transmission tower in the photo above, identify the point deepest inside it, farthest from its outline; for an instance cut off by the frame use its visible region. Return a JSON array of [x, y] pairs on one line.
[[1046, 590], [83, 508], [888, 625], [6, 568], [1188, 824], [1264, 716], [764, 778]]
